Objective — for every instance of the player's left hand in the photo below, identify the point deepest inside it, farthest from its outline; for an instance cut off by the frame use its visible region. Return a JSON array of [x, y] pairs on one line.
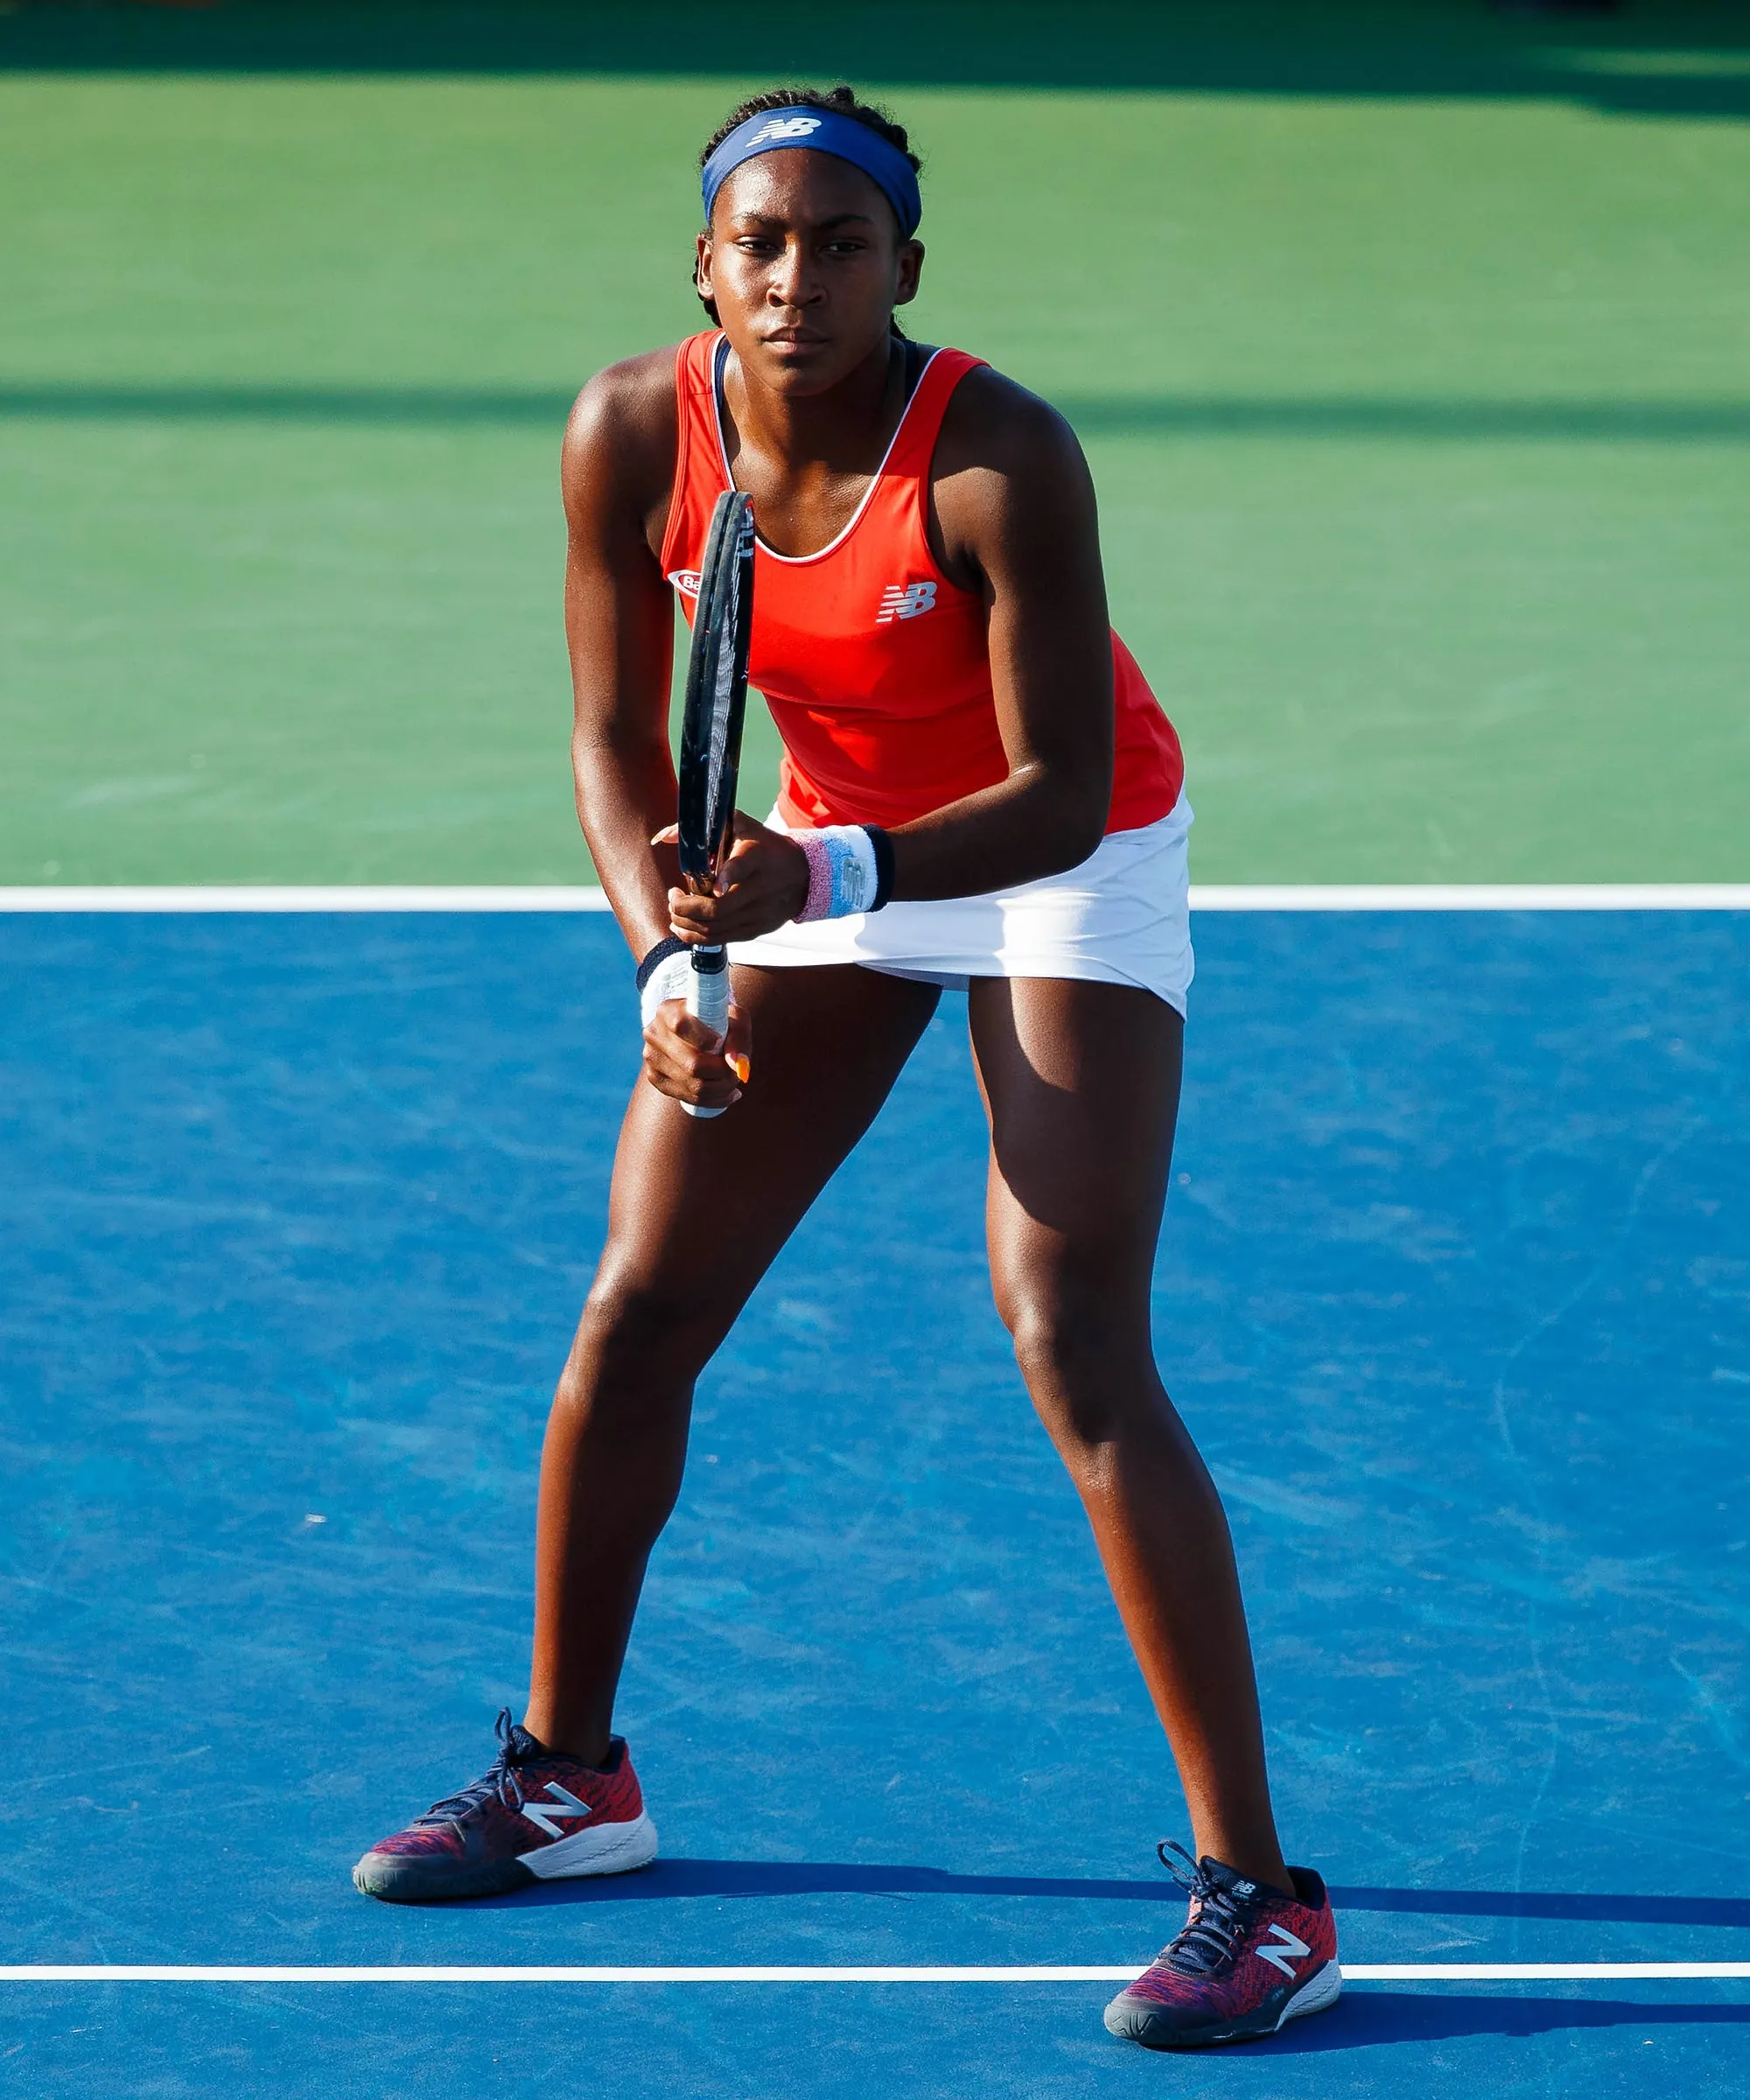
[[763, 885]]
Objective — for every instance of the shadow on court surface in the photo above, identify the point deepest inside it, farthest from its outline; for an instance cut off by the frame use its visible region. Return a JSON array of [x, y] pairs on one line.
[[1372, 2018], [671, 1879], [1680, 59], [1102, 415]]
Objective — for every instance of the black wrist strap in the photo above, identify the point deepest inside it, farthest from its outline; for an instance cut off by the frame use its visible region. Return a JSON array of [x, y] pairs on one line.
[[670, 944], [882, 847]]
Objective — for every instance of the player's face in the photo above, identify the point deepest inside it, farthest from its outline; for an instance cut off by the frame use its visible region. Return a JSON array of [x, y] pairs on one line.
[[805, 263]]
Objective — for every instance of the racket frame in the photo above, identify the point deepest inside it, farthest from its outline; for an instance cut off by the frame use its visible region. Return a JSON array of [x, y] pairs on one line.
[[710, 736]]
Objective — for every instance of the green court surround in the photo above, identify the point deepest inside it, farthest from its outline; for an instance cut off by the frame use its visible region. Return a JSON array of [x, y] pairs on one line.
[[1409, 345]]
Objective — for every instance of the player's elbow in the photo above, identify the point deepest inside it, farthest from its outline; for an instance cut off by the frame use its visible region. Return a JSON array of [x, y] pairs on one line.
[[1077, 821], [1090, 825], [1071, 847]]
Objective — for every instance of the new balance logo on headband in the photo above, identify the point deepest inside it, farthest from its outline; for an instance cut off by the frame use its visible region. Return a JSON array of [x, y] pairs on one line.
[[785, 126], [905, 601]]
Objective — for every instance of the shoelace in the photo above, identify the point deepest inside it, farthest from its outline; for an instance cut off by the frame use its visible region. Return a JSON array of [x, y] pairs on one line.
[[1211, 1938], [501, 1781]]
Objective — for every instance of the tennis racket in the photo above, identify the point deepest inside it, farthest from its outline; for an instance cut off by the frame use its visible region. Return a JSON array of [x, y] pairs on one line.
[[710, 735]]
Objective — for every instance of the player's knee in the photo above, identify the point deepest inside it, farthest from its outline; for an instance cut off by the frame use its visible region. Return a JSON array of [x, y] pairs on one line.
[[1087, 1372], [1052, 1345], [637, 1334], [1065, 1360]]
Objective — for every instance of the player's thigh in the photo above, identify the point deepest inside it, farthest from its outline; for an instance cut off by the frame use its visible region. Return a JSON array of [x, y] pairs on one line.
[[700, 1205], [1080, 1083]]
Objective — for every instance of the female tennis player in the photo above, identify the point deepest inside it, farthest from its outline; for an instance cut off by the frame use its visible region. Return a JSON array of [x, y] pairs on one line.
[[978, 789]]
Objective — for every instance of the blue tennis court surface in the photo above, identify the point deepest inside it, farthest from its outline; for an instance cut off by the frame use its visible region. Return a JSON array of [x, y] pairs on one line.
[[1454, 1290]]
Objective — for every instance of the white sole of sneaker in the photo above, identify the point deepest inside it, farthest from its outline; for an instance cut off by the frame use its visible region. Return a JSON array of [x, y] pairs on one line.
[[615, 1848], [1325, 1990]]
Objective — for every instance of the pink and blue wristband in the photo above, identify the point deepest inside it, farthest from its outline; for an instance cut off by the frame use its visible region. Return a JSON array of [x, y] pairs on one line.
[[850, 870]]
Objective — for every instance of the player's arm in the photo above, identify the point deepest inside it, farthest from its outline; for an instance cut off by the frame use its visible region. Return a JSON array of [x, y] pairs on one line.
[[1016, 521], [620, 624], [615, 471]]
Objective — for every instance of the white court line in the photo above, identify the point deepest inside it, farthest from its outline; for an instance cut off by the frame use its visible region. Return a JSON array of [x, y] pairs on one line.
[[1473, 897], [307, 897], [586, 897], [1354, 1972]]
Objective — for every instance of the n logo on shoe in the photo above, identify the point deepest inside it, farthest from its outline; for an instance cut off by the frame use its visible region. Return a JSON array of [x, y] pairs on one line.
[[1283, 1956], [546, 1815]]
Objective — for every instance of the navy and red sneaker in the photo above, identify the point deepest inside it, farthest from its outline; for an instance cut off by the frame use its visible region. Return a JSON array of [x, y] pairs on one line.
[[537, 1815], [1248, 1959]]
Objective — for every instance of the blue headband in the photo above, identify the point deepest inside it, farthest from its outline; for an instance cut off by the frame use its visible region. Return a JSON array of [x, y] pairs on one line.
[[827, 132]]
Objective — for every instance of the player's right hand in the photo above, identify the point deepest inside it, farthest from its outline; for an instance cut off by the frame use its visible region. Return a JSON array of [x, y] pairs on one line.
[[762, 885], [683, 1059]]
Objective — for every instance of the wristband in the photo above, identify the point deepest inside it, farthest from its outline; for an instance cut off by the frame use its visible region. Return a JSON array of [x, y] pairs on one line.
[[882, 847], [663, 975], [850, 870]]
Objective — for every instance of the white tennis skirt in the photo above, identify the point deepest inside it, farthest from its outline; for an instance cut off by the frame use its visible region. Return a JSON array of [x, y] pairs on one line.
[[1122, 917]]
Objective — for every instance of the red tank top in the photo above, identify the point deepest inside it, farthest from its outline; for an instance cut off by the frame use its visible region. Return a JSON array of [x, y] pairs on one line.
[[873, 663]]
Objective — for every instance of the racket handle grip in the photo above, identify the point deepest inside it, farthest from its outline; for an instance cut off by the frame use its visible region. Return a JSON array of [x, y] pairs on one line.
[[708, 997]]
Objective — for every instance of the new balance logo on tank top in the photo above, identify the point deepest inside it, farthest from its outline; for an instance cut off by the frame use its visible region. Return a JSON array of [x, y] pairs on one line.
[[873, 662], [905, 601]]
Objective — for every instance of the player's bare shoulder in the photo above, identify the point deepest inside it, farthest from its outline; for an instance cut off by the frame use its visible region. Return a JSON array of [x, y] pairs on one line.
[[621, 437], [995, 424], [1005, 462]]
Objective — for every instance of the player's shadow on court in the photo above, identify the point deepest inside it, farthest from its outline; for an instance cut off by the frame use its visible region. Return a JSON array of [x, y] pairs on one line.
[[1424, 419], [671, 1879], [1372, 2018]]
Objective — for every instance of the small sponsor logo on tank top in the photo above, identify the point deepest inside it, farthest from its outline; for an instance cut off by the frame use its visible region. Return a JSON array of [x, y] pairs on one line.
[[685, 579], [905, 601]]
